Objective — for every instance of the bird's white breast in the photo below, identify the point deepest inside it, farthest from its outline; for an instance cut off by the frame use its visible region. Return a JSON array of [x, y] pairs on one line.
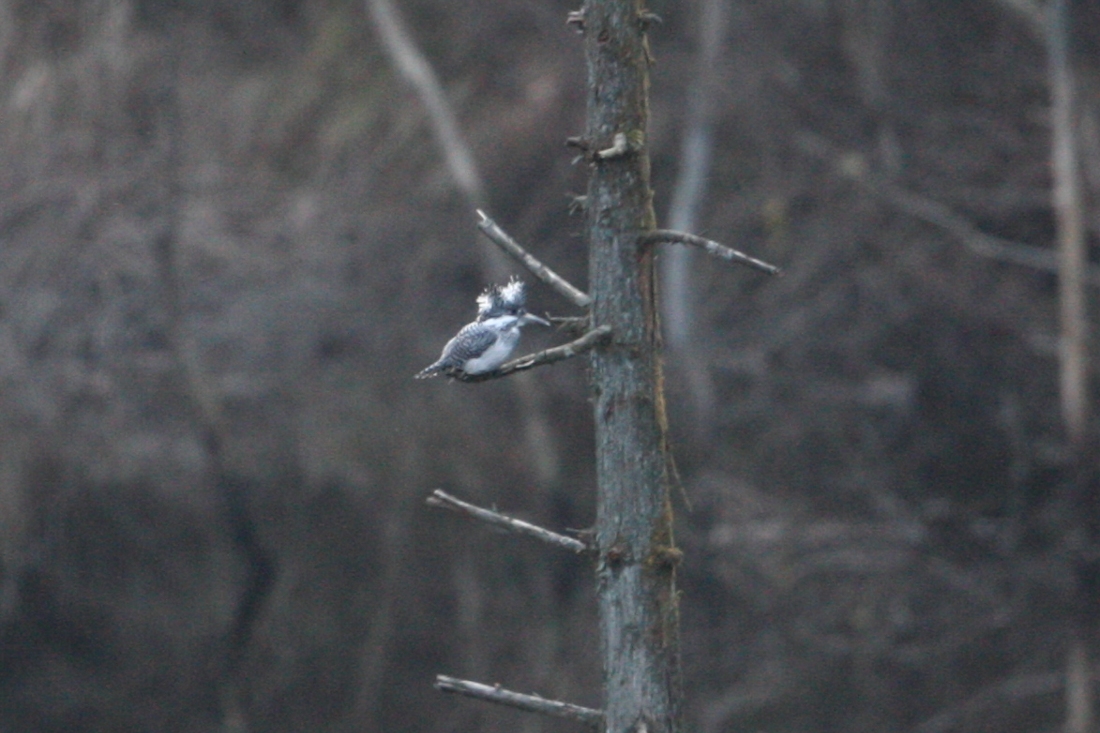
[[498, 351]]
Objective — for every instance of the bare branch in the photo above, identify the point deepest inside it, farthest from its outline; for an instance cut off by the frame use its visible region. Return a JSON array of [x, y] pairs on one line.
[[1013, 689], [499, 237], [1074, 365], [1072, 248], [938, 214], [667, 236], [530, 703], [414, 66], [1031, 12], [572, 325], [539, 358], [690, 189], [977, 241], [442, 499]]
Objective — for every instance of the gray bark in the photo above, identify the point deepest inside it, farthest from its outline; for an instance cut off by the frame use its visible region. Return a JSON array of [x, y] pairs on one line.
[[639, 621]]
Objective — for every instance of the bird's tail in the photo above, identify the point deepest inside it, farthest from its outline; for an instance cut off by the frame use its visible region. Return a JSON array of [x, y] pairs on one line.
[[432, 371]]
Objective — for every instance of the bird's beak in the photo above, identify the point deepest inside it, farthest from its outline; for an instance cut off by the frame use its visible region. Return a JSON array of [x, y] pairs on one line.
[[528, 318]]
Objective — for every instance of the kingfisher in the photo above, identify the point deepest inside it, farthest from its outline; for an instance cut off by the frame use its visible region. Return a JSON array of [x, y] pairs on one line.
[[482, 346]]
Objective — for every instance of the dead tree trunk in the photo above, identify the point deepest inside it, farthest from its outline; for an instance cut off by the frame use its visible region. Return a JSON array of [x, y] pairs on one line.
[[639, 620], [635, 554]]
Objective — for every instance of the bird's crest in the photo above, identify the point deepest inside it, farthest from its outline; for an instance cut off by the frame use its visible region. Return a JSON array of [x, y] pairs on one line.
[[514, 294], [490, 301], [496, 300]]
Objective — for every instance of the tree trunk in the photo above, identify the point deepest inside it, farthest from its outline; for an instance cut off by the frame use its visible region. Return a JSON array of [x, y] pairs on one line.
[[639, 621]]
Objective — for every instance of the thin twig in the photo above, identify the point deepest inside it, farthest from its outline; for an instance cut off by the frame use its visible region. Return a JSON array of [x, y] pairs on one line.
[[500, 238], [539, 358], [440, 498], [998, 694], [667, 236], [570, 324], [977, 241], [933, 212], [530, 703]]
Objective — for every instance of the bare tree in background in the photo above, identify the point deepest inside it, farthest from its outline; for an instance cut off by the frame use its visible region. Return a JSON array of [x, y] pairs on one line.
[[1073, 374], [688, 196]]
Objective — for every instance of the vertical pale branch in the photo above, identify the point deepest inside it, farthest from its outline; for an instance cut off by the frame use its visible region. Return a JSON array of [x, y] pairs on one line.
[[689, 191], [639, 620], [678, 293], [412, 65], [417, 71], [1073, 382], [1071, 231]]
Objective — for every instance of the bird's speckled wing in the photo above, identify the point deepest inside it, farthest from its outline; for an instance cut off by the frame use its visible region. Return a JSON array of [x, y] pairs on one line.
[[468, 343]]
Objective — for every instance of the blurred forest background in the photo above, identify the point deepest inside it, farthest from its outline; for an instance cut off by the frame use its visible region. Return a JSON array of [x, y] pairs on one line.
[[229, 238]]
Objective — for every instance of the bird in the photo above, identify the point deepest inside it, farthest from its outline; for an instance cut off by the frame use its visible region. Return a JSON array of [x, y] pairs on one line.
[[482, 346]]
